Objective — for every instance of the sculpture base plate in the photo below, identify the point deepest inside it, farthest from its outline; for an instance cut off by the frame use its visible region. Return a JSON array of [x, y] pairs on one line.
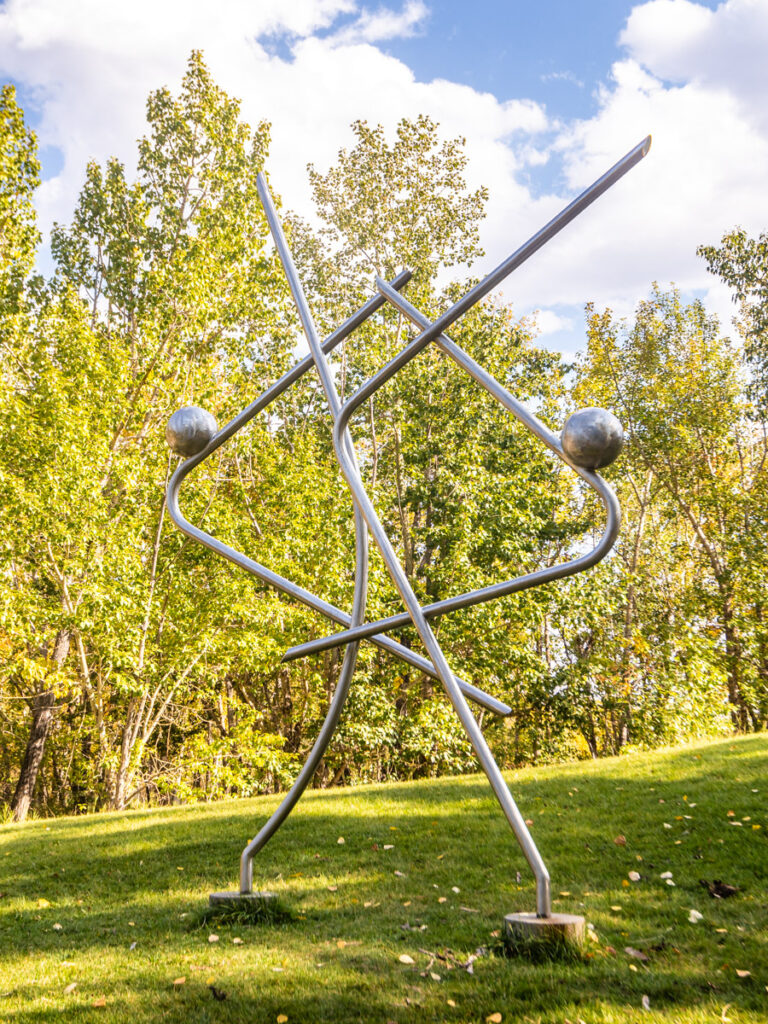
[[241, 899], [557, 928]]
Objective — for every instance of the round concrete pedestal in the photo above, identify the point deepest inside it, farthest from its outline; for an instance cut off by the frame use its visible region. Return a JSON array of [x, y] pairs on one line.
[[241, 899], [555, 928]]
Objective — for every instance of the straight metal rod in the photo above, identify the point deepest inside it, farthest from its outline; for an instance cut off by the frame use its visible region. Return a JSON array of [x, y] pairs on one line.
[[555, 572], [349, 468], [482, 288]]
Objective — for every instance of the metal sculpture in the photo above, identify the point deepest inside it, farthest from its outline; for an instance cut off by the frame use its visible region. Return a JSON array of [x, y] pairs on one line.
[[591, 439]]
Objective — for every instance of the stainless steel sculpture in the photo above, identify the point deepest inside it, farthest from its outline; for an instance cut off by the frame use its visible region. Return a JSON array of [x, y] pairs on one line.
[[591, 439]]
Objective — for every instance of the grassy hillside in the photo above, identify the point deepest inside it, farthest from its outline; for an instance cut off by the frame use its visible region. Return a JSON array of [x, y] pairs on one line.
[[101, 917]]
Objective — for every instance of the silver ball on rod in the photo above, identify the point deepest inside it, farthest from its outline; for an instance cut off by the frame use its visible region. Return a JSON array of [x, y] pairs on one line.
[[189, 430], [592, 438]]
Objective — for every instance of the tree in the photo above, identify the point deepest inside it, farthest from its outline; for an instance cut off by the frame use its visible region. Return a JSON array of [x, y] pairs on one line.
[[742, 262], [678, 386]]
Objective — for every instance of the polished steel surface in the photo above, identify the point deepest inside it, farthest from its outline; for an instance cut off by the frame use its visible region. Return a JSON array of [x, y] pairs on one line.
[[190, 430], [591, 438]]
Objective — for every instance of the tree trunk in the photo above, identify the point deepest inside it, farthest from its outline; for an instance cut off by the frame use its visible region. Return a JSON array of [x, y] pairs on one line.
[[43, 708]]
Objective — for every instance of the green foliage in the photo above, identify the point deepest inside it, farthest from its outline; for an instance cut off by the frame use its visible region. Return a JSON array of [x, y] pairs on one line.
[[136, 666], [742, 263]]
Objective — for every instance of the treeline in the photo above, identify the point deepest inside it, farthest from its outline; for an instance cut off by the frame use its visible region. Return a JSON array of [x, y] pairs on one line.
[[137, 667]]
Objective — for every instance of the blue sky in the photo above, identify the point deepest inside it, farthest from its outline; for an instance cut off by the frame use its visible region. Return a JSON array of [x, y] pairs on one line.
[[547, 95]]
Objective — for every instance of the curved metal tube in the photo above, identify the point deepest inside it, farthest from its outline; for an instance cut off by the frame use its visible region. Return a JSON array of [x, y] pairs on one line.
[[519, 583]]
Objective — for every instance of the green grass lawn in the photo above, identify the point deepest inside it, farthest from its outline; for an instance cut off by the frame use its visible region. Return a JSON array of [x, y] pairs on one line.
[[102, 917]]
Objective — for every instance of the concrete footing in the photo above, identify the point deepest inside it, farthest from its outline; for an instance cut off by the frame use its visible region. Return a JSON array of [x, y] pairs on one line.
[[241, 899], [553, 929]]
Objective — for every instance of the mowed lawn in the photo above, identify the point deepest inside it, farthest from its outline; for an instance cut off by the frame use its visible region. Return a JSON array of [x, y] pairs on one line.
[[101, 918]]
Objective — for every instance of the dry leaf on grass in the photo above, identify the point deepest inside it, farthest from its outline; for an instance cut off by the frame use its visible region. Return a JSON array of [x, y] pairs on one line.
[[179, 981], [404, 958], [213, 938], [494, 1018], [743, 974], [646, 1003], [332, 888], [451, 1002], [637, 954], [99, 1003], [634, 876], [340, 841], [620, 841], [70, 988], [237, 941], [282, 1019]]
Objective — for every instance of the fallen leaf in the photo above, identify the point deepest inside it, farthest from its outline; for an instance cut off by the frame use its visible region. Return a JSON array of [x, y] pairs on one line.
[[665, 874], [450, 1002], [645, 1003], [389, 846], [529, 821], [565, 893], [670, 881], [496, 934], [404, 958], [455, 888], [340, 841], [399, 874], [332, 888], [56, 927], [132, 946], [633, 967], [666, 824], [435, 977], [731, 814], [340, 943], [441, 899], [99, 1003], [70, 988], [620, 841], [616, 906], [282, 1019], [179, 981], [237, 941], [495, 1018], [43, 903], [634, 876], [636, 954], [695, 916], [213, 938], [743, 974], [718, 889], [625, 883]]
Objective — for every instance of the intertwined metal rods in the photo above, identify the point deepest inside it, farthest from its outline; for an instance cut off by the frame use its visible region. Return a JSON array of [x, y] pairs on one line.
[[356, 629]]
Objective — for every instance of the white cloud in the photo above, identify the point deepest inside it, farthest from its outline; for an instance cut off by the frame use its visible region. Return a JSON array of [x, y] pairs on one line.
[[374, 26], [695, 78]]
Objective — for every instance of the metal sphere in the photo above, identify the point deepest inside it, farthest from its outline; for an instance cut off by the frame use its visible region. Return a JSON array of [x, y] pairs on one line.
[[190, 430], [592, 438]]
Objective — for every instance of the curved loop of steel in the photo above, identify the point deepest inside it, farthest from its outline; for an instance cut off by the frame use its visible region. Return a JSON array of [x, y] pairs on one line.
[[367, 519]]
